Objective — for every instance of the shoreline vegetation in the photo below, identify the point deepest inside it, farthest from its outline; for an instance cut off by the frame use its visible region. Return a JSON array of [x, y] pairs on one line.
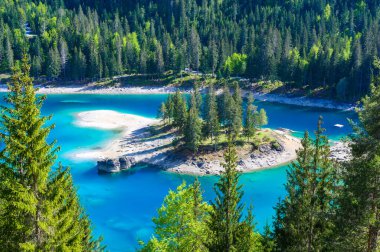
[[144, 141]]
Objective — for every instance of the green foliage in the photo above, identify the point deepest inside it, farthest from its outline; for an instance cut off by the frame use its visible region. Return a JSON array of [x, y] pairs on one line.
[[179, 111], [303, 219], [235, 64], [193, 128], [249, 126], [228, 231], [263, 118], [270, 40], [181, 221], [359, 202], [38, 212], [212, 126]]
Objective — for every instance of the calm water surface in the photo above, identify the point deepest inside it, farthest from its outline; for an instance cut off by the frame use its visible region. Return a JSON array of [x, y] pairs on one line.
[[121, 205]]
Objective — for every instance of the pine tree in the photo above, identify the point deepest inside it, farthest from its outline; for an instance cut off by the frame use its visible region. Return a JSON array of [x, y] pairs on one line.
[[198, 97], [179, 111], [211, 120], [227, 109], [263, 118], [163, 113], [68, 223], [249, 126], [53, 63], [237, 114], [169, 105], [32, 217], [359, 205], [228, 231], [193, 130], [303, 219]]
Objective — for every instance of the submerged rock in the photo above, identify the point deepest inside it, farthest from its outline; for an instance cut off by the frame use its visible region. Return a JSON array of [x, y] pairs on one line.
[[115, 165]]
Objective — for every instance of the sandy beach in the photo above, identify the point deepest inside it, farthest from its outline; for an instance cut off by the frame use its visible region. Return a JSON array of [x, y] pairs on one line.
[[127, 124]]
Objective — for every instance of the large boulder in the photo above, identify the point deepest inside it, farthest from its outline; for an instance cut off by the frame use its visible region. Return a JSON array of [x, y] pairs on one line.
[[115, 165]]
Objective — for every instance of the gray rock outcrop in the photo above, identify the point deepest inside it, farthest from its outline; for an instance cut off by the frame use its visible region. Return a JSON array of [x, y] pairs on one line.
[[115, 165]]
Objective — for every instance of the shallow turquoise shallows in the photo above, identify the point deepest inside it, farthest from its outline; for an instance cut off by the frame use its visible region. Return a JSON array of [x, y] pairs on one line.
[[121, 205]]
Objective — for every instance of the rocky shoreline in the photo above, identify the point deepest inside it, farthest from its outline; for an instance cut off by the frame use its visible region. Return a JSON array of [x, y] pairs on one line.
[[264, 157], [205, 163], [304, 101]]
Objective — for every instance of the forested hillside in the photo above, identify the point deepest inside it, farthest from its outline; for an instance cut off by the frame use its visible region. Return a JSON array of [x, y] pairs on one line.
[[329, 43]]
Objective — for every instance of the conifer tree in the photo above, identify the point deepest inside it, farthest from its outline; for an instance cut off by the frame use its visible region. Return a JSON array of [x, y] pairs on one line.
[[237, 114], [163, 112], [228, 231], [38, 213], [179, 111], [263, 118], [169, 105], [212, 121], [249, 126], [358, 217], [303, 219], [193, 130], [227, 108], [198, 97]]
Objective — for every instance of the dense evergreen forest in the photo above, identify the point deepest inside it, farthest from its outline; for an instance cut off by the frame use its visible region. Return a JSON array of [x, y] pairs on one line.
[[311, 44]]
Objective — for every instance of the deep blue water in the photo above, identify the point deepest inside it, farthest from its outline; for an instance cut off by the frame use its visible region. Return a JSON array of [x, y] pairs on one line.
[[121, 205]]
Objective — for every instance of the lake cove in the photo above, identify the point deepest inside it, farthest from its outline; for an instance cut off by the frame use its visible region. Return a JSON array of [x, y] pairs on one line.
[[121, 205]]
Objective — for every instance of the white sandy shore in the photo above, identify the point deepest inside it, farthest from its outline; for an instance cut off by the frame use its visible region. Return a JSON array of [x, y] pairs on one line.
[[110, 120], [93, 89], [136, 141]]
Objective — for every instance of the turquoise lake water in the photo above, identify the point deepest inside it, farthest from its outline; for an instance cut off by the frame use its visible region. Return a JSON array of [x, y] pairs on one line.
[[121, 206]]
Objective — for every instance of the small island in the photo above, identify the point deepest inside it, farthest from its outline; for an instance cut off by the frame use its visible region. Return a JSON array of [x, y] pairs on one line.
[[144, 140], [191, 135]]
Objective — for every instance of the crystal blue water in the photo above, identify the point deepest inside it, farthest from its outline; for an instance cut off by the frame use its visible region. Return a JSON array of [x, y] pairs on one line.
[[121, 205]]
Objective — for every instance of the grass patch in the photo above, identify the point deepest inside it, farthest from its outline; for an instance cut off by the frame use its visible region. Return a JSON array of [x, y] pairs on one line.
[[269, 86]]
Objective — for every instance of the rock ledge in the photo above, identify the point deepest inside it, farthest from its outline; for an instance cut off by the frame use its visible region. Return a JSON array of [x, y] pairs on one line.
[[116, 164]]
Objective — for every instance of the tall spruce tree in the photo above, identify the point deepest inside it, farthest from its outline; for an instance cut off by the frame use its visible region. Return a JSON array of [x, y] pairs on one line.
[[179, 111], [304, 218], [228, 231], [227, 108], [237, 113], [249, 126], [211, 120], [193, 129], [38, 212], [358, 217]]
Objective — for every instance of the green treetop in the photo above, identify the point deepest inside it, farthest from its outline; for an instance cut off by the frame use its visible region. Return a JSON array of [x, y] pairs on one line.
[[249, 126], [181, 221], [179, 111], [228, 231], [237, 113], [303, 219], [359, 204], [193, 128], [212, 126]]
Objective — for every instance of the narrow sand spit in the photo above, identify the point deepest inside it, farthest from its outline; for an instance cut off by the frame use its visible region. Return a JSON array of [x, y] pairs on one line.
[[136, 140], [127, 124]]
